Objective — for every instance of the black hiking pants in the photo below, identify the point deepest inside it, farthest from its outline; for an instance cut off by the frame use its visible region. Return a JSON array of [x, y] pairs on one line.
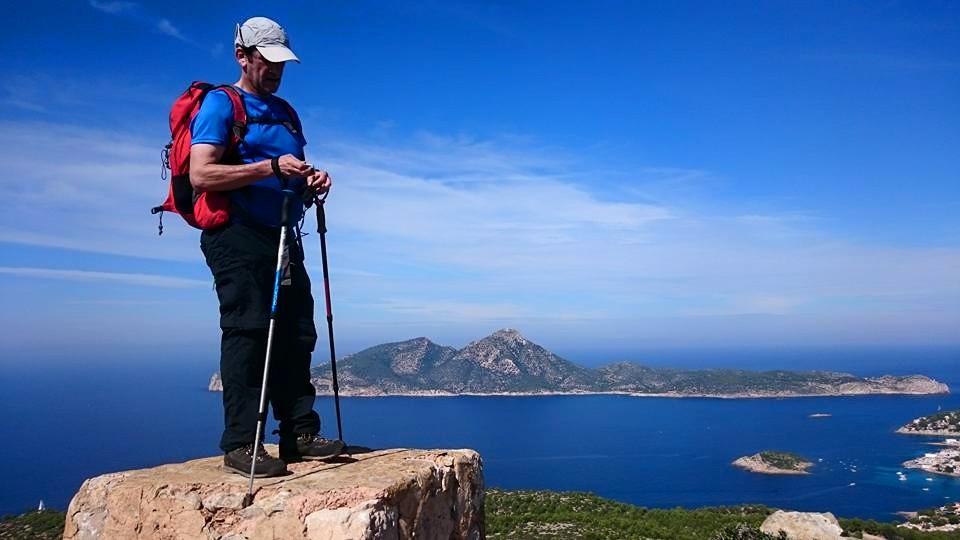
[[243, 261]]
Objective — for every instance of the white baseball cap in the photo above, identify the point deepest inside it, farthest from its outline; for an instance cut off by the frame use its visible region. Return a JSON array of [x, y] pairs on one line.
[[268, 37]]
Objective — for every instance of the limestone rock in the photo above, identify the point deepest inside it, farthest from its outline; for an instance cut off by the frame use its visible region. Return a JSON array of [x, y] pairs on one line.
[[377, 495], [803, 525]]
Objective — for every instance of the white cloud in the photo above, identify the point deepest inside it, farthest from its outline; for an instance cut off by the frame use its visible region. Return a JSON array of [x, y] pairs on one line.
[[167, 27], [20, 92], [131, 10], [115, 7], [520, 223], [454, 311], [142, 280], [95, 195], [445, 230], [40, 92]]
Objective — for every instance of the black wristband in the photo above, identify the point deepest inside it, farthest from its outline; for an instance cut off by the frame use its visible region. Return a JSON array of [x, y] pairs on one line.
[[275, 165]]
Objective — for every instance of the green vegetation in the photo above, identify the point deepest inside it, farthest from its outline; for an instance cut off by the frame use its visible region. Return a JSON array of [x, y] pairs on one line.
[[856, 527], [938, 517], [542, 514], [784, 460], [43, 525]]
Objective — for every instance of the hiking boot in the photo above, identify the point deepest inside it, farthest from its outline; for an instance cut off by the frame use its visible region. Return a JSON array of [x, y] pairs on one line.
[[308, 446], [238, 461]]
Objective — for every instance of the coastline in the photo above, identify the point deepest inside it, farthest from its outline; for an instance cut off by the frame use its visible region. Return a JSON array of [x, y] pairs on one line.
[[927, 432], [215, 385], [749, 395], [928, 464]]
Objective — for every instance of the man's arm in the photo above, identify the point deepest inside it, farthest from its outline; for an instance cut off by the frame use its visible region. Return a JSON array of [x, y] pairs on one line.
[[206, 174]]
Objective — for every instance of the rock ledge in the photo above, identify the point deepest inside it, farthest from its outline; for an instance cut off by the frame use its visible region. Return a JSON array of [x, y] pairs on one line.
[[384, 494]]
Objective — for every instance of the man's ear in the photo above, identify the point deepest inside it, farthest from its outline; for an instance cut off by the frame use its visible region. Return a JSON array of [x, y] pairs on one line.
[[241, 58]]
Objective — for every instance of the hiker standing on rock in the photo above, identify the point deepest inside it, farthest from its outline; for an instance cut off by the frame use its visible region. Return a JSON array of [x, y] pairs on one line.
[[242, 254]]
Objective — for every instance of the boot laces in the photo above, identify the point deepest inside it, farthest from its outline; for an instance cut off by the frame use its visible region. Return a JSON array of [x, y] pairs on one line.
[[310, 438], [261, 451]]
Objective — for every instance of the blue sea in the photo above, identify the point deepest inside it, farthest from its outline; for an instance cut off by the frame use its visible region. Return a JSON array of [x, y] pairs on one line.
[[66, 423]]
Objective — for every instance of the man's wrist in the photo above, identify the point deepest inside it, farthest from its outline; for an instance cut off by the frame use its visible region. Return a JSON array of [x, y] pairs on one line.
[[275, 168]]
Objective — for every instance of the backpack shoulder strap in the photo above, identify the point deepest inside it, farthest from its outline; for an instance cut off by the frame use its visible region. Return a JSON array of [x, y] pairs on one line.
[[239, 114], [295, 126]]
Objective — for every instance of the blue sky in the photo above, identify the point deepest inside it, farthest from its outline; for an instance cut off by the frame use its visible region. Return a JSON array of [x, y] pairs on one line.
[[624, 174]]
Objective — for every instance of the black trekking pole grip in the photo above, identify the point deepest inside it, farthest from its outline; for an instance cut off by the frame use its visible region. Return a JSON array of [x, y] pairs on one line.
[[284, 186], [285, 208], [321, 216]]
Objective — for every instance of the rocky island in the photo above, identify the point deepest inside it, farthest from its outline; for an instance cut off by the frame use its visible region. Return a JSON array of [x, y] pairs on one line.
[[773, 462], [946, 461], [946, 423], [506, 363]]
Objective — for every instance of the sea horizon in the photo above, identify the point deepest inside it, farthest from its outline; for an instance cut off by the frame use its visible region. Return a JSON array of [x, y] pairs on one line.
[[124, 416]]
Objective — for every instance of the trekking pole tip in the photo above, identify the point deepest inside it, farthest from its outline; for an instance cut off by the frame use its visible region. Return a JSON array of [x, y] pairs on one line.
[[247, 500]]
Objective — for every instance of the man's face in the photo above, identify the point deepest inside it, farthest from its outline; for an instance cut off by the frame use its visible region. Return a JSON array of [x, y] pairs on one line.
[[264, 76]]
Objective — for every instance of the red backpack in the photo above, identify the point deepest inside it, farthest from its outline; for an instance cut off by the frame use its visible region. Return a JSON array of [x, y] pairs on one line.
[[209, 209]]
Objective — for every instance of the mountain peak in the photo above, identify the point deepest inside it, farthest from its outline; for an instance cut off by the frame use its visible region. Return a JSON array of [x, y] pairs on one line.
[[509, 334]]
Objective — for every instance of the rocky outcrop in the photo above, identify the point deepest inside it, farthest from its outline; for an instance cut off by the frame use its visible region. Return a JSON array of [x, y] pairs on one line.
[[945, 462], [945, 423], [888, 384], [386, 494], [803, 525], [773, 463]]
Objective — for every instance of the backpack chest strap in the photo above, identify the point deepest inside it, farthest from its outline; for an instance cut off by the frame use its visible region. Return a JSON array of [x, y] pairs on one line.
[[273, 121]]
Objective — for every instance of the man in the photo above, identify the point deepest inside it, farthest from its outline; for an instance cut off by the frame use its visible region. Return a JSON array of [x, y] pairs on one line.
[[242, 255]]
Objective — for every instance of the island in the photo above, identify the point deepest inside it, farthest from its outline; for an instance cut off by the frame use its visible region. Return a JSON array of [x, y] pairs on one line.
[[506, 363], [774, 462], [945, 423]]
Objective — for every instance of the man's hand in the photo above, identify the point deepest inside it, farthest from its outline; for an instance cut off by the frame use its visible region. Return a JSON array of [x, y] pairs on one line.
[[318, 183], [291, 167]]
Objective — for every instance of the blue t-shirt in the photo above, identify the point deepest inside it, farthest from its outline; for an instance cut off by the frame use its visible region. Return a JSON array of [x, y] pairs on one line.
[[261, 201]]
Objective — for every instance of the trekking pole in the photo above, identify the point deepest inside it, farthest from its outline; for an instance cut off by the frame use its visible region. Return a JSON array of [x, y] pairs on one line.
[[322, 229], [262, 416]]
